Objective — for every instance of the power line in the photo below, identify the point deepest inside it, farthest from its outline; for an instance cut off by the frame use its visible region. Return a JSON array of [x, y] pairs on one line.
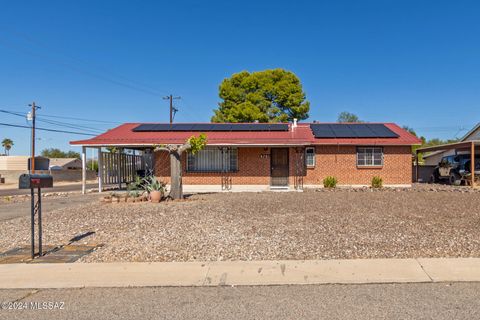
[[13, 113], [37, 42], [80, 70], [59, 117], [45, 129], [79, 119], [71, 125]]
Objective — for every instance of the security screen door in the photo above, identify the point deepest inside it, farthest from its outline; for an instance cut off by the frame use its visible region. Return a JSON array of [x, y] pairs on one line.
[[279, 167]]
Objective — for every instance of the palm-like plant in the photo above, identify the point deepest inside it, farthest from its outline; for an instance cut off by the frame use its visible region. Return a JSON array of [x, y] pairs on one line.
[[7, 144], [152, 184]]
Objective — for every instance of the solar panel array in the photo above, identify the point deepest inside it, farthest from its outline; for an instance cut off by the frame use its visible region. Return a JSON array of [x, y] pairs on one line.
[[165, 127], [357, 130]]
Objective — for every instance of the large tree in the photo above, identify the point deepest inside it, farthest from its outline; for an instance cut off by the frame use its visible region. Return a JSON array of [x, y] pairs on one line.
[[348, 117], [57, 153], [265, 96], [175, 151], [7, 144]]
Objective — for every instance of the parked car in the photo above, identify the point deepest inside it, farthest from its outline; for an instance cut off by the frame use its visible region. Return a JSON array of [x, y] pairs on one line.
[[453, 169]]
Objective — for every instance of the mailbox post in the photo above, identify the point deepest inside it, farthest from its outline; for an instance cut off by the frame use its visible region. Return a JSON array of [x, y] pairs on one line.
[[32, 182]]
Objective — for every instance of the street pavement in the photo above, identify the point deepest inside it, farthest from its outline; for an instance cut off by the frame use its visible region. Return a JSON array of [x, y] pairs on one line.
[[19, 209], [369, 301], [61, 188]]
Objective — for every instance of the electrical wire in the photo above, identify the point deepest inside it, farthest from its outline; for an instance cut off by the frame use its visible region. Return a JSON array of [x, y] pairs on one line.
[[13, 113], [59, 117], [79, 119], [80, 70], [72, 126], [45, 129], [37, 42]]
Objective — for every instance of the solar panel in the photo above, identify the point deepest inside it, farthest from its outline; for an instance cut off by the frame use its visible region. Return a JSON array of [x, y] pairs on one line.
[[183, 127], [220, 127], [145, 127], [242, 127], [348, 130], [382, 131], [201, 127], [277, 127], [165, 127]]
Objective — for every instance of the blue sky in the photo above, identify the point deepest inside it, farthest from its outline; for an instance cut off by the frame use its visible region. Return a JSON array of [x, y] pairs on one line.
[[415, 63]]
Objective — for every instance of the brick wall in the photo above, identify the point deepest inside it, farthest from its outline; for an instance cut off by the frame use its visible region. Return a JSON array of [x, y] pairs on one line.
[[340, 161], [254, 167]]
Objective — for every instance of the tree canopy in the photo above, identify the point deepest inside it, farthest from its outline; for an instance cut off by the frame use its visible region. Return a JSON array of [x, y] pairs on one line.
[[57, 153], [348, 117], [265, 96], [7, 144]]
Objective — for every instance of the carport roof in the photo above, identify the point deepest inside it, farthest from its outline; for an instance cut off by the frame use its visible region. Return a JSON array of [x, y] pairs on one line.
[[448, 146]]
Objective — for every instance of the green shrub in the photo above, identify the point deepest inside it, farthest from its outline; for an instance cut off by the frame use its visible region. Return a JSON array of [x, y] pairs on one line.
[[377, 182], [330, 182]]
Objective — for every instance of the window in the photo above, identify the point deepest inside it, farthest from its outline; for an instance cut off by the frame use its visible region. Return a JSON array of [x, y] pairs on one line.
[[310, 156], [370, 156], [213, 159]]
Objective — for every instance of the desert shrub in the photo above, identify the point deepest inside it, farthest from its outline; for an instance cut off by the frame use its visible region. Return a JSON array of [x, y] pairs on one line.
[[330, 182], [377, 182]]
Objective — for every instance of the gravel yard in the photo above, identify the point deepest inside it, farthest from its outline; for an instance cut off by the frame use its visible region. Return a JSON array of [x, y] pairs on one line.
[[418, 222]]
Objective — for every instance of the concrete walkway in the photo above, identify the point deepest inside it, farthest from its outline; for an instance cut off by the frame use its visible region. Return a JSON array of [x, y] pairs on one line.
[[238, 273]]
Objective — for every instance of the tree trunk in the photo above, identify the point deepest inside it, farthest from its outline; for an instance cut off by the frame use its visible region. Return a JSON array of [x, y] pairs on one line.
[[176, 188]]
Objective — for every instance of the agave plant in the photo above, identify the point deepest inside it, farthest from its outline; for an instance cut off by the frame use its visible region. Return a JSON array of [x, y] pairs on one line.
[[137, 184], [152, 184]]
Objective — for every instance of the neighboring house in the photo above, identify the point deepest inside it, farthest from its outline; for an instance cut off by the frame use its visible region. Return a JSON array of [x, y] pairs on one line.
[[268, 156], [433, 158], [65, 164], [21, 163]]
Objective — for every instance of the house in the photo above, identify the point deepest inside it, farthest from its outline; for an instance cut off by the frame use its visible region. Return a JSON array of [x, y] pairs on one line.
[[22, 163], [65, 164], [261, 156], [433, 158]]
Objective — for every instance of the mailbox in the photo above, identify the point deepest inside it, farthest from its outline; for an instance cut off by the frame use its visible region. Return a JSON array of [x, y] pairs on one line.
[[33, 181]]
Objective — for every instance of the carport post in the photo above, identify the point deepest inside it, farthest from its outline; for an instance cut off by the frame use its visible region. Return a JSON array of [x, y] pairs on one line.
[[100, 170], [472, 163], [84, 169]]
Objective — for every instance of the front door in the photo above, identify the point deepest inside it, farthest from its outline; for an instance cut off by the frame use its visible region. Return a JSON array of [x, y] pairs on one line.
[[279, 167]]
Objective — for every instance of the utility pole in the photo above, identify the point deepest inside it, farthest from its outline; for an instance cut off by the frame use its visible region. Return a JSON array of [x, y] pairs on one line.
[[32, 116], [172, 108]]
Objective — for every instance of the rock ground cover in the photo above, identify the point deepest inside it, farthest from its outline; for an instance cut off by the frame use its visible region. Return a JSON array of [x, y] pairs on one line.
[[424, 221]]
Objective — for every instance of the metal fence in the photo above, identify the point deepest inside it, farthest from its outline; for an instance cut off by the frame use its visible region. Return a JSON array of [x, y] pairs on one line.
[[118, 168]]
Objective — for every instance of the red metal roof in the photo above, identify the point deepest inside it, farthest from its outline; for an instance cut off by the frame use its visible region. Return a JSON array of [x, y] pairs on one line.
[[301, 135]]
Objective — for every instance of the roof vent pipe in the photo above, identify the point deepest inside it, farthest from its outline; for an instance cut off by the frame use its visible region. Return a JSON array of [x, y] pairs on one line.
[[294, 122]]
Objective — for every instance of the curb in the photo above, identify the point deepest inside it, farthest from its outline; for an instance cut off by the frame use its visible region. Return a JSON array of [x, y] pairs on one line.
[[238, 273]]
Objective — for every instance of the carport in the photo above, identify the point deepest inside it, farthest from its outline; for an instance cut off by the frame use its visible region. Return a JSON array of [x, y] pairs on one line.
[[458, 146]]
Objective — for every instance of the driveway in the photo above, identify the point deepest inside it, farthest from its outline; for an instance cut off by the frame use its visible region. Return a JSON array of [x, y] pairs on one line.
[[19, 209], [61, 188]]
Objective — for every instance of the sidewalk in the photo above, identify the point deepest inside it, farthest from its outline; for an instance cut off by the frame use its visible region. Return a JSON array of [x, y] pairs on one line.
[[238, 273]]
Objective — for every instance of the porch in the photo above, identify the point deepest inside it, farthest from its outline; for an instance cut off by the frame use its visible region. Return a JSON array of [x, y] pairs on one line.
[[117, 167], [214, 169]]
